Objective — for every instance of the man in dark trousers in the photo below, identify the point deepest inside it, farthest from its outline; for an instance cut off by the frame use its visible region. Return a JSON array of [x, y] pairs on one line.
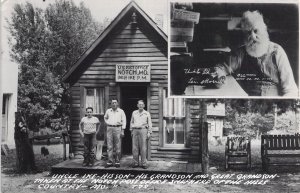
[[88, 128]]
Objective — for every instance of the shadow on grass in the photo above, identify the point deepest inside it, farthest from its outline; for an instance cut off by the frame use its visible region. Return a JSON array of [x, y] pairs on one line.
[[43, 163]]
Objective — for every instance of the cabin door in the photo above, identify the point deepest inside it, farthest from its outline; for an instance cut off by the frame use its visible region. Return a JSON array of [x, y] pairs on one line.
[[129, 97]]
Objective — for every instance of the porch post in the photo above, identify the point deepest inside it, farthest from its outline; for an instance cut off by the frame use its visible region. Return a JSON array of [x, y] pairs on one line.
[[204, 137]]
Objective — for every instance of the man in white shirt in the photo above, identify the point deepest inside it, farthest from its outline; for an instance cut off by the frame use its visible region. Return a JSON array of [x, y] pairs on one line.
[[141, 128], [115, 119], [88, 127]]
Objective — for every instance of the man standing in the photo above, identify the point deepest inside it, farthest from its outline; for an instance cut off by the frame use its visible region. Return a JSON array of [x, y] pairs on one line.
[[88, 127], [260, 66], [141, 128], [116, 123]]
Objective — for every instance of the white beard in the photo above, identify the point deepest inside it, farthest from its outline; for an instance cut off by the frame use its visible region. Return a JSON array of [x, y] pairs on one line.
[[258, 48]]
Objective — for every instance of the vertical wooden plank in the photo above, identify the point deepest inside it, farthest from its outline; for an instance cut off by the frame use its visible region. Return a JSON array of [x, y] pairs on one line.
[[293, 141], [200, 133], [204, 138], [271, 139], [263, 151], [280, 145], [263, 140], [275, 141], [205, 155], [266, 140], [82, 100], [106, 99], [187, 124], [64, 147], [118, 92], [298, 141], [249, 153], [82, 110], [148, 108], [148, 97], [288, 142], [160, 100], [284, 141], [149, 149]]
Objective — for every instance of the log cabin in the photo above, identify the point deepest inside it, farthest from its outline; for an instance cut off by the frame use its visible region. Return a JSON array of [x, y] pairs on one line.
[[129, 61]]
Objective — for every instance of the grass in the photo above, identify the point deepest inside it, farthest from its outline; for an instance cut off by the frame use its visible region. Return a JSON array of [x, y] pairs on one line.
[[217, 160], [216, 155], [43, 163], [288, 181]]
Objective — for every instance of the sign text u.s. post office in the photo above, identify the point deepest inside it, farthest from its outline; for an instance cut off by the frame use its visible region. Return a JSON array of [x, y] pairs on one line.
[[133, 72]]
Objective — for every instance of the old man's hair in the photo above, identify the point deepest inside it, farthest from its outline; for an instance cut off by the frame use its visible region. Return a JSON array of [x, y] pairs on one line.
[[251, 17]]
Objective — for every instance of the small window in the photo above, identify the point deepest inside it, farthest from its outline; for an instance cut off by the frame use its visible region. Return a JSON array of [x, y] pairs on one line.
[[95, 98], [215, 127], [4, 103], [173, 121]]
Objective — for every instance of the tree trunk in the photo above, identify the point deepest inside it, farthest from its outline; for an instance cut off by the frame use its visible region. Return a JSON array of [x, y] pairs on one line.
[[25, 157]]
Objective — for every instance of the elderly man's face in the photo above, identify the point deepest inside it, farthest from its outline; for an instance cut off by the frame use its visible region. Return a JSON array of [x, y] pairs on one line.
[[253, 35], [256, 39]]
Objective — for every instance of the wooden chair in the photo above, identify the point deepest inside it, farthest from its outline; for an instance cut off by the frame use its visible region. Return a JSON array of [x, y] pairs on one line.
[[238, 147]]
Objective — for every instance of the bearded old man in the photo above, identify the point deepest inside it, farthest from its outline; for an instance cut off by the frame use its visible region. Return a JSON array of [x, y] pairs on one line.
[[260, 66]]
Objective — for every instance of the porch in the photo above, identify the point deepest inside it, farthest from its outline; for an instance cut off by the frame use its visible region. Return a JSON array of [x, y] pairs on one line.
[[75, 166]]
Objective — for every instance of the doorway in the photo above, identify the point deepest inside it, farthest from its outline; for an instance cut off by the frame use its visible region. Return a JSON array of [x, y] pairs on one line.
[[129, 97]]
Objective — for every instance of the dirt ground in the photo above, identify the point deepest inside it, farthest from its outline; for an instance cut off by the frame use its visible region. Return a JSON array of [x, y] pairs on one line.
[[287, 180]]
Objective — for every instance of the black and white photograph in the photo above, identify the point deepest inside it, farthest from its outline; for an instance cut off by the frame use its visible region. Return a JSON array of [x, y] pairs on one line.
[[86, 104], [230, 49]]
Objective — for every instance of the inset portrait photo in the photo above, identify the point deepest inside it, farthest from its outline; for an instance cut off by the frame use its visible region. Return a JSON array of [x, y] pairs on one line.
[[237, 50]]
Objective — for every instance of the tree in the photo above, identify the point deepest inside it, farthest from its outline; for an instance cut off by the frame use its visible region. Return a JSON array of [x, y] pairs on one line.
[[253, 117], [72, 29], [46, 43]]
